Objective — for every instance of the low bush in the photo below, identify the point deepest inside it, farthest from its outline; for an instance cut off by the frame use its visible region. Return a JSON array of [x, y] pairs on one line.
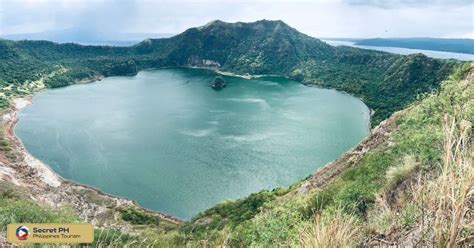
[[138, 216]]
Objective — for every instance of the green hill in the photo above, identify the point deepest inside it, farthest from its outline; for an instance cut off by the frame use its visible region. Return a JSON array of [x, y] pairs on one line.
[[262, 47], [408, 183]]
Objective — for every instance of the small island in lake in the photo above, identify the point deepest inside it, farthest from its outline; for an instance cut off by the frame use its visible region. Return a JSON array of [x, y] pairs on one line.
[[218, 83]]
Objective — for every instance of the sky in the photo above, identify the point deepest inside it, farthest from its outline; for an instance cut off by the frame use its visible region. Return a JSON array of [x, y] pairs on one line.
[[323, 18]]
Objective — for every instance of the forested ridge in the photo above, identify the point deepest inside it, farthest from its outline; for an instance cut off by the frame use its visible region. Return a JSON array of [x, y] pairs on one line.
[[386, 82]]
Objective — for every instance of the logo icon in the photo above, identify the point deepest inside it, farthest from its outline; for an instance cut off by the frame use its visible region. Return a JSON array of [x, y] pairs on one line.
[[22, 233]]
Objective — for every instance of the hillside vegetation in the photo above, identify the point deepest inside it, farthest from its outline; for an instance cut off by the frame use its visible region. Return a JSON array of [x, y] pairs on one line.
[[410, 183], [413, 188], [386, 82]]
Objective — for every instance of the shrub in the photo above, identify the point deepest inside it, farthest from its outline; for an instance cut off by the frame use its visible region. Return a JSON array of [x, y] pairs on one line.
[[331, 229], [270, 229], [27, 211], [138, 216], [397, 174]]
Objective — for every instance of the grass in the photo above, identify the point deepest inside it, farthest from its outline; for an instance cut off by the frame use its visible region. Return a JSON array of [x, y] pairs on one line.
[[447, 216], [354, 191], [17, 207], [273, 228], [374, 194], [331, 229], [435, 204], [417, 142], [230, 213], [396, 174], [138, 216], [411, 190]]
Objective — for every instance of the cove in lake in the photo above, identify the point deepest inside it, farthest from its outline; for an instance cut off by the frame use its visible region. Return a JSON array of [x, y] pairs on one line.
[[169, 141]]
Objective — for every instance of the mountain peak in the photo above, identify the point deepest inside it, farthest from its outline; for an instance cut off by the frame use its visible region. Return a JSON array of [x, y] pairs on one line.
[[213, 23], [260, 23]]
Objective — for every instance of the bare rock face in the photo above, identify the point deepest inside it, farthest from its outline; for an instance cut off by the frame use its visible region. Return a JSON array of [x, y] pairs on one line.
[[218, 83]]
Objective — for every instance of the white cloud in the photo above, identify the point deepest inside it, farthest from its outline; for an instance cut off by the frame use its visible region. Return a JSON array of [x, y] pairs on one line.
[[324, 18]]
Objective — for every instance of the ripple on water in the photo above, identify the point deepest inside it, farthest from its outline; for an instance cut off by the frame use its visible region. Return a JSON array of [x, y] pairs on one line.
[[167, 140]]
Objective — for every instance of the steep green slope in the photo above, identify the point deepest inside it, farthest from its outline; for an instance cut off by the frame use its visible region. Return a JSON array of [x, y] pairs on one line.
[[396, 182], [386, 82]]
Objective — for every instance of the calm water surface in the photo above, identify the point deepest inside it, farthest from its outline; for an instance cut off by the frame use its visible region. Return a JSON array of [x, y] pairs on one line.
[[406, 51], [169, 141]]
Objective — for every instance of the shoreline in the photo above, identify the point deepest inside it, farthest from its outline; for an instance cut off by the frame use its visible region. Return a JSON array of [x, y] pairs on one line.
[[250, 76], [44, 174], [48, 175], [371, 111], [48, 184], [228, 73], [307, 84]]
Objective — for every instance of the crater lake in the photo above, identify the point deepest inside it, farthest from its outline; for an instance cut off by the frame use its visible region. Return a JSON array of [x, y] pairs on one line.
[[166, 139]]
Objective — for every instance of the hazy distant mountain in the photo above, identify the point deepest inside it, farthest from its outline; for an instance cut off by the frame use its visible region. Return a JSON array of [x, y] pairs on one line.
[[436, 44], [87, 37]]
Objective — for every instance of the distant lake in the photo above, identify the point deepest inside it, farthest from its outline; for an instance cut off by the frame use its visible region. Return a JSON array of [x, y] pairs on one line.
[[406, 51], [167, 140]]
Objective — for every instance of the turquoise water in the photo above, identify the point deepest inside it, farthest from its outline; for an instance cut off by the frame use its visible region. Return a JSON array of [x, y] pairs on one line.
[[167, 140]]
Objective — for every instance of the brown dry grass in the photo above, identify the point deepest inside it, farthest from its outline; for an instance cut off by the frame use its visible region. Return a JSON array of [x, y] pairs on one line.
[[331, 230], [444, 200]]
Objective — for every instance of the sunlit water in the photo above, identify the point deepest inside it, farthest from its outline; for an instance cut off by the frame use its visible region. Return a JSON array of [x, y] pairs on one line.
[[169, 141], [406, 51]]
